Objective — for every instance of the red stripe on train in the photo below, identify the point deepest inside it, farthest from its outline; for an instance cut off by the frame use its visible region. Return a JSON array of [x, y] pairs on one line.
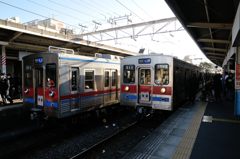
[[132, 88], [85, 94], [157, 90]]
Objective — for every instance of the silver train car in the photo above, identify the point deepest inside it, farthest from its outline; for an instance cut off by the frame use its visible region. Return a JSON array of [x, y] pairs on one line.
[[157, 82], [61, 85]]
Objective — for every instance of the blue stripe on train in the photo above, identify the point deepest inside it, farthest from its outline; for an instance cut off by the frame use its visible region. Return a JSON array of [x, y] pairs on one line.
[[50, 104], [160, 99], [29, 100], [83, 60], [134, 97]]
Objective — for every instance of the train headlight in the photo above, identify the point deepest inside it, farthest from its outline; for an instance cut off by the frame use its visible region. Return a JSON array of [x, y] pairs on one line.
[[51, 93], [126, 88], [163, 90]]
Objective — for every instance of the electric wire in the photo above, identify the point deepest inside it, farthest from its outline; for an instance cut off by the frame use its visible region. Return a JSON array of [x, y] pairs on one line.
[[34, 13], [141, 8], [129, 9]]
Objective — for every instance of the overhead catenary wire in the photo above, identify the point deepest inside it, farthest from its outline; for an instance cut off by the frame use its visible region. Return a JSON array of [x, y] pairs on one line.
[[34, 13], [128, 9], [99, 7], [141, 8], [73, 9], [44, 6]]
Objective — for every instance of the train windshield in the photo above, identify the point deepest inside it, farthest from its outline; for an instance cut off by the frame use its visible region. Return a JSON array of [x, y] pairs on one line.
[[129, 74], [162, 74], [28, 76], [51, 75]]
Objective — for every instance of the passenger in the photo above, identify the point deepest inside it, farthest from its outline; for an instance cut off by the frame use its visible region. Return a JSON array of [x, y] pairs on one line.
[[50, 83], [165, 79], [217, 84], [229, 84], [3, 88], [148, 79], [9, 88]]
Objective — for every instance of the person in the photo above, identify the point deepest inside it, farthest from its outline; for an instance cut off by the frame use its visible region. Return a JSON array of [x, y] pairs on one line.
[[229, 84], [165, 79], [3, 88], [50, 83], [9, 88], [217, 86]]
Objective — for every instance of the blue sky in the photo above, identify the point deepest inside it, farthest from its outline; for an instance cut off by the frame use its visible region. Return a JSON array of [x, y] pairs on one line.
[[83, 12], [76, 12]]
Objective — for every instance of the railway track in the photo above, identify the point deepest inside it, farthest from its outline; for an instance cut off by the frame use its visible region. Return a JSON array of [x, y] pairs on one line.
[[87, 151]]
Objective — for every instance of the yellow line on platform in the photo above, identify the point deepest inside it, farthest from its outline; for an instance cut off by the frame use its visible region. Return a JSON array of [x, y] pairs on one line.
[[184, 149]]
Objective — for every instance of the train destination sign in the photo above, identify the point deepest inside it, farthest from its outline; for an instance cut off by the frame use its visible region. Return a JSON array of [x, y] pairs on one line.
[[38, 60], [144, 61]]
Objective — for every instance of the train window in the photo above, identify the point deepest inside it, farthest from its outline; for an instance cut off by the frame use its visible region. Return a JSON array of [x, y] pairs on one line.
[[74, 79], [51, 75], [89, 79], [145, 76], [28, 76], [162, 74], [107, 76], [114, 78], [39, 77], [129, 74]]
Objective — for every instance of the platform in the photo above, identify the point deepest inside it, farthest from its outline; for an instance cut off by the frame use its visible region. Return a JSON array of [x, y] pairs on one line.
[[198, 131]]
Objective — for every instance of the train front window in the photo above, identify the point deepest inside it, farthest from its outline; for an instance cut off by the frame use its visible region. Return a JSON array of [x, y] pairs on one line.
[[51, 75], [162, 74], [129, 74], [28, 76], [145, 76]]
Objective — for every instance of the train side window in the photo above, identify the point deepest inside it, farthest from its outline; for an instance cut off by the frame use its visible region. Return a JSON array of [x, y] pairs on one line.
[[51, 75], [107, 77], [114, 78], [89, 79], [161, 74], [74, 79], [129, 73]]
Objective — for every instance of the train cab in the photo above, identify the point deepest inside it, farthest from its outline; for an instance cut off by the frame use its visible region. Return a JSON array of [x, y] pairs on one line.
[[147, 82]]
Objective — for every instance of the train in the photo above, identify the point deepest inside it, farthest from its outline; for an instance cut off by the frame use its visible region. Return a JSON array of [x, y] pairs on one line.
[[60, 84], [158, 82]]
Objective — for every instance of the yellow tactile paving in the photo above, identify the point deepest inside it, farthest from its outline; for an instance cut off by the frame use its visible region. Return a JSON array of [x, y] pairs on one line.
[[184, 149]]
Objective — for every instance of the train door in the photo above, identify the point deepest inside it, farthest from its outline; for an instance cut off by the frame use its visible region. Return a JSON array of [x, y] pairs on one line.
[[74, 88], [107, 86], [110, 85], [144, 85], [38, 83], [114, 88]]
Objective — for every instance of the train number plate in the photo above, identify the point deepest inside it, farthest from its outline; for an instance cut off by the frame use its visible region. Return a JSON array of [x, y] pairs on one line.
[[144, 96], [40, 100]]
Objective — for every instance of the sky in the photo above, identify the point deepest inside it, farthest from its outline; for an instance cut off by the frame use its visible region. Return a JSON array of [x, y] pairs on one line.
[[77, 13]]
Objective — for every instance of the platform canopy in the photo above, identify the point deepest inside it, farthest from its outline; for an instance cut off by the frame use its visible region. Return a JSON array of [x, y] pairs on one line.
[[209, 23], [21, 37]]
